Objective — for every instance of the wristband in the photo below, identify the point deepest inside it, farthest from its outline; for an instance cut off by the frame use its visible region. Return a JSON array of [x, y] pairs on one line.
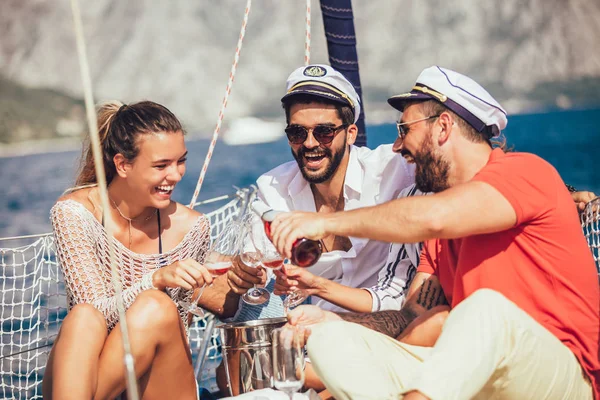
[[147, 281], [570, 188]]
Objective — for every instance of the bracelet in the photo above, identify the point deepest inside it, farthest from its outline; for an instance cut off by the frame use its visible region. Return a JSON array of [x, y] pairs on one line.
[[147, 281], [570, 188]]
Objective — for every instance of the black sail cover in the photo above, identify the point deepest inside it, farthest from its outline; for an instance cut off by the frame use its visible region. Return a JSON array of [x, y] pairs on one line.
[[338, 21]]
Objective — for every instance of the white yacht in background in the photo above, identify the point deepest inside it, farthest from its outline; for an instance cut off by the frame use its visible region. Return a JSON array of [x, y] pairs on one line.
[[251, 130]]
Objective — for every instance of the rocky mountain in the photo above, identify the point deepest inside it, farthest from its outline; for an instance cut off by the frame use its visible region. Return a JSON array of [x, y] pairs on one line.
[[531, 54]]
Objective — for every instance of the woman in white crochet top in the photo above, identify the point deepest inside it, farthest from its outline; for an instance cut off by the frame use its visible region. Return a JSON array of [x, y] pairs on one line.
[[160, 245]]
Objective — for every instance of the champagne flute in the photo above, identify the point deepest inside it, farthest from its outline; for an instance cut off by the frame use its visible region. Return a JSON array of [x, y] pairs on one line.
[[288, 360], [251, 256], [217, 262]]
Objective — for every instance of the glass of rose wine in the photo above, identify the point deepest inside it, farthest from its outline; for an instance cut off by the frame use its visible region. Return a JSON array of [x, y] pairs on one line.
[[250, 255], [217, 261], [270, 257]]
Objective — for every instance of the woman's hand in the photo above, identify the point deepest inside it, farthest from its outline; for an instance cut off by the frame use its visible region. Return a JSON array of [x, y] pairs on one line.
[[291, 277], [241, 277], [187, 274]]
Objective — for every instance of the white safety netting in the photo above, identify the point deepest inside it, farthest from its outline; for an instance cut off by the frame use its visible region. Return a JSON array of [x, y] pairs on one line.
[[33, 304], [590, 223]]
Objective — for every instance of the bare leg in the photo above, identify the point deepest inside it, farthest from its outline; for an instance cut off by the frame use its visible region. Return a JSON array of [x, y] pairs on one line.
[[159, 346], [72, 368]]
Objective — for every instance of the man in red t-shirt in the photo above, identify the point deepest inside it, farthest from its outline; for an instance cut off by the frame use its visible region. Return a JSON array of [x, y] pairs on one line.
[[505, 302]]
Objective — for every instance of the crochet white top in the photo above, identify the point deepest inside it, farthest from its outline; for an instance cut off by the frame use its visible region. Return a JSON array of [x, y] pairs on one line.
[[82, 249]]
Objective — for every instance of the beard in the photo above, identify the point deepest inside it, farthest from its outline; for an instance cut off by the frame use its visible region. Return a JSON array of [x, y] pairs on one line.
[[431, 173], [327, 173]]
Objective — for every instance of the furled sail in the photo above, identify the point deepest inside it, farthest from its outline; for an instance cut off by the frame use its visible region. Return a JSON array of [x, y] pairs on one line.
[[338, 20]]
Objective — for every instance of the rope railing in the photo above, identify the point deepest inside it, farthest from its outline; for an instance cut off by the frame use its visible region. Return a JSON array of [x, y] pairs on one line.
[[132, 389], [307, 35], [215, 136]]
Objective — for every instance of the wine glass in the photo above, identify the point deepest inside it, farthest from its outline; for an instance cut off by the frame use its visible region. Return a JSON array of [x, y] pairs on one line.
[[251, 256], [288, 360], [293, 299], [217, 261], [273, 260], [270, 257]]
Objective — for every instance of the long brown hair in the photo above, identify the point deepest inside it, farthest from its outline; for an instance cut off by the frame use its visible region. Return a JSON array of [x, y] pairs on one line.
[[119, 126]]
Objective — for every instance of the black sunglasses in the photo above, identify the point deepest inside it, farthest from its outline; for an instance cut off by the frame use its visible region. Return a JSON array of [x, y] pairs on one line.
[[324, 134], [403, 126]]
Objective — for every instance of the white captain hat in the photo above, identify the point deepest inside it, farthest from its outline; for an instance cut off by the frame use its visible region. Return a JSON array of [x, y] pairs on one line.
[[460, 94], [322, 81]]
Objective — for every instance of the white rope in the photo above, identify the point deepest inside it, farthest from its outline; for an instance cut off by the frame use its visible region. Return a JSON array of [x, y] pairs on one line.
[[132, 389], [26, 236], [307, 36], [223, 105]]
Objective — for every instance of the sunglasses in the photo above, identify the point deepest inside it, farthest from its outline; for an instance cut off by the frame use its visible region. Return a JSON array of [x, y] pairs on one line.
[[323, 134], [403, 126]]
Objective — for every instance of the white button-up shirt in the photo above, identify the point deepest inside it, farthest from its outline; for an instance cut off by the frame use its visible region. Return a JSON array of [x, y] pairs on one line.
[[372, 177]]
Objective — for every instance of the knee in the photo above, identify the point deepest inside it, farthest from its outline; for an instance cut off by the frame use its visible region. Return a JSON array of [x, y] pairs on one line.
[[486, 305], [153, 307], [327, 339], [485, 298], [84, 317]]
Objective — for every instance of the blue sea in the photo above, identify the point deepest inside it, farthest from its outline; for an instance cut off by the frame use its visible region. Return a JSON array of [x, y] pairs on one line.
[[569, 140]]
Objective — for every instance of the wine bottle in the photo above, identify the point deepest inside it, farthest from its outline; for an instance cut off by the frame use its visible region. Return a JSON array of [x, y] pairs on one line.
[[305, 252]]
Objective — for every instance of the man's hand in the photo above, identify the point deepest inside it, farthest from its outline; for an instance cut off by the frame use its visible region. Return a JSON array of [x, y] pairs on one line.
[[241, 277], [291, 277], [308, 315], [303, 317], [288, 227], [582, 198]]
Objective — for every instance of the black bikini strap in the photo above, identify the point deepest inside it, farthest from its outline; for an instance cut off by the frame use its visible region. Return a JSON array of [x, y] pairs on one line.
[[159, 238]]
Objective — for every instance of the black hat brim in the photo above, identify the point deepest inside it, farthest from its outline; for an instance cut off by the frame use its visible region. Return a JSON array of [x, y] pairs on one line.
[[399, 101]]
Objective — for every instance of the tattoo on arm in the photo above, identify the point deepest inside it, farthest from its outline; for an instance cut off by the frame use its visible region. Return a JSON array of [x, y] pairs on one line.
[[431, 295], [393, 322], [390, 322]]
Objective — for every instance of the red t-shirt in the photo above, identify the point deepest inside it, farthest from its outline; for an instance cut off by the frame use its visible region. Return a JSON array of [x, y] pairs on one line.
[[542, 264]]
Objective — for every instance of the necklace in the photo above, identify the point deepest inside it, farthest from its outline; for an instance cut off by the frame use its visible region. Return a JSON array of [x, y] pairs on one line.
[[130, 220]]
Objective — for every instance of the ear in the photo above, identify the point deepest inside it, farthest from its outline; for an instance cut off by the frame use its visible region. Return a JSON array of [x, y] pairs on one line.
[[121, 165], [447, 123], [351, 134]]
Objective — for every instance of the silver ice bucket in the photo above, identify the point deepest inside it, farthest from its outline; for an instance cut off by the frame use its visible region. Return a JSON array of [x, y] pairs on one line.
[[247, 354]]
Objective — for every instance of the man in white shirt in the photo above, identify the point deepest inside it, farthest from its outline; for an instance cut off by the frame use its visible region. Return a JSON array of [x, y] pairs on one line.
[[330, 174]]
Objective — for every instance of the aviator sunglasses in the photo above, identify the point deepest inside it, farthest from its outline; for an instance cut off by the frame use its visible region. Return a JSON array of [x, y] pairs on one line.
[[323, 134]]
